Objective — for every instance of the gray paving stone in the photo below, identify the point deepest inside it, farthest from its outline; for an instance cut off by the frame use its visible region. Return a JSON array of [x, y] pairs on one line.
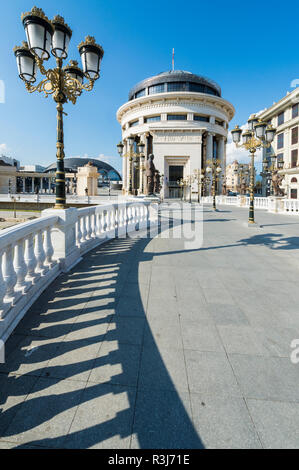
[[224, 423], [266, 378], [227, 314], [116, 363], [44, 418], [163, 369], [210, 373], [201, 337], [127, 330], [104, 418], [163, 421], [276, 422]]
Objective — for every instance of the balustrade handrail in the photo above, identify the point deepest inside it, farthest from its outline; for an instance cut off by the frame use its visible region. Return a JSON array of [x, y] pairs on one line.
[[12, 234]]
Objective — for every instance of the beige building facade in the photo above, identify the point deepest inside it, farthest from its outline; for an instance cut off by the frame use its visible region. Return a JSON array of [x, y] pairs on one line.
[[284, 116], [237, 177]]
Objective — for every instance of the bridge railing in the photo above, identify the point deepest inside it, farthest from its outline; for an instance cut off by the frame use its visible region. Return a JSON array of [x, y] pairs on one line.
[[271, 204], [34, 253]]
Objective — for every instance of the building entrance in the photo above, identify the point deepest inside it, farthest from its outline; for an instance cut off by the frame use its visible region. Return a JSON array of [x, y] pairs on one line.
[[176, 173]]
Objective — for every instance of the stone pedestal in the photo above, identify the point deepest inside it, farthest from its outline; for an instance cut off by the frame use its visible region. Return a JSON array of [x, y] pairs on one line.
[[87, 180], [64, 237], [275, 204]]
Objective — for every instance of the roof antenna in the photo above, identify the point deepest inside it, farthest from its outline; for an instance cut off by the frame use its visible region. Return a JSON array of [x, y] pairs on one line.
[[173, 59]]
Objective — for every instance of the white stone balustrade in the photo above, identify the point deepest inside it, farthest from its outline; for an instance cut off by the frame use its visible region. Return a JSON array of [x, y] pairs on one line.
[[34, 253], [271, 203]]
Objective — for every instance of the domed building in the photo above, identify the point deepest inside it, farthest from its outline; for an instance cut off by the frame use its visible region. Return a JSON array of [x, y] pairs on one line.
[[71, 165], [182, 119]]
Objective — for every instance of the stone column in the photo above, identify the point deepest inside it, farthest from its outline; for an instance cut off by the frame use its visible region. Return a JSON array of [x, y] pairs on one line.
[[23, 185], [221, 157], [209, 146], [143, 139], [125, 168], [32, 184], [209, 156], [41, 185]]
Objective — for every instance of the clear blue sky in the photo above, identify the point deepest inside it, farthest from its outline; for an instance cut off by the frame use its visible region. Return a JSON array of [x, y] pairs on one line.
[[251, 50]]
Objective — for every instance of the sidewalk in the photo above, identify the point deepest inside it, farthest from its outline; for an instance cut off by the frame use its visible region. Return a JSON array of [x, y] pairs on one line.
[[148, 345]]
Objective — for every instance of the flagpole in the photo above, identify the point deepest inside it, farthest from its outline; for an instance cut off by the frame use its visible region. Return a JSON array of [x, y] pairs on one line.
[[173, 60]]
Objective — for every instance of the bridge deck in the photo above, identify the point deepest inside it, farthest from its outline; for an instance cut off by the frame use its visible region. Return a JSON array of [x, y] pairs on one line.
[[147, 344]]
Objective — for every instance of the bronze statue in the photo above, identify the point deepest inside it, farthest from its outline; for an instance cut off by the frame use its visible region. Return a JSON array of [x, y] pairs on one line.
[[224, 189], [157, 182], [149, 175], [276, 181]]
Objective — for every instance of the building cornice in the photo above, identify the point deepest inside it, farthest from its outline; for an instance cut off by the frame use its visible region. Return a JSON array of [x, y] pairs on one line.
[[176, 98], [289, 99]]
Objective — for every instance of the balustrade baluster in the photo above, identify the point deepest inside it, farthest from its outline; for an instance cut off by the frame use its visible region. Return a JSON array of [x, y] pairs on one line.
[[48, 247], [83, 228], [20, 267], [40, 253], [30, 258], [9, 274], [2, 285]]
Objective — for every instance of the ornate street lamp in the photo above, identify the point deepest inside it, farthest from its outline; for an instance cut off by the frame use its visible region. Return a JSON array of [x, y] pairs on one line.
[[64, 84], [215, 169], [259, 134], [131, 156], [198, 176]]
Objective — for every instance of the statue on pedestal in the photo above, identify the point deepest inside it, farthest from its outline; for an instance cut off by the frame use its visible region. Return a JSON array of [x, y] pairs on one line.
[[149, 175], [276, 181]]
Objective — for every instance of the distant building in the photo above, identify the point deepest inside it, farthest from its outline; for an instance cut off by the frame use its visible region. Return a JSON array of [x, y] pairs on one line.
[[284, 116], [33, 168], [182, 119], [238, 177]]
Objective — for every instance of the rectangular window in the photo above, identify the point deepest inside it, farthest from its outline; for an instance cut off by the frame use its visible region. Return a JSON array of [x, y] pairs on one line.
[[134, 123], [295, 135], [197, 117], [280, 141], [295, 111], [153, 119], [293, 193], [294, 158], [220, 123], [280, 119], [176, 86], [176, 117], [156, 89]]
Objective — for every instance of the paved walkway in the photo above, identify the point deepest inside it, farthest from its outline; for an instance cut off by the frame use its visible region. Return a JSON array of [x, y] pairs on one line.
[[148, 345]]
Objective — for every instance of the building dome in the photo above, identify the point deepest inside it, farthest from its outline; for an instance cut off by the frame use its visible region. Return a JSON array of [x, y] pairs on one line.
[[173, 81], [72, 164]]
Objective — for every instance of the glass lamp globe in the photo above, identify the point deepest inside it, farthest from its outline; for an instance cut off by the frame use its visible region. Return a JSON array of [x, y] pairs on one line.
[[61, 37], [26, 63], [39, 31], [91, 56]]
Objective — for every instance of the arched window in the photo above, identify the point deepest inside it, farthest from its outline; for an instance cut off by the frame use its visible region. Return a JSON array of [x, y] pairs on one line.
[[294, 180]]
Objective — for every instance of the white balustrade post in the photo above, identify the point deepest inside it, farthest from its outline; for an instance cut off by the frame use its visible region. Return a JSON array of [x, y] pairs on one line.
[[78, 232], [48, 247], [2, 287], [9, 274], [30, 258], [40, 253], [20, 267], [83, 228], [64, 237]]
